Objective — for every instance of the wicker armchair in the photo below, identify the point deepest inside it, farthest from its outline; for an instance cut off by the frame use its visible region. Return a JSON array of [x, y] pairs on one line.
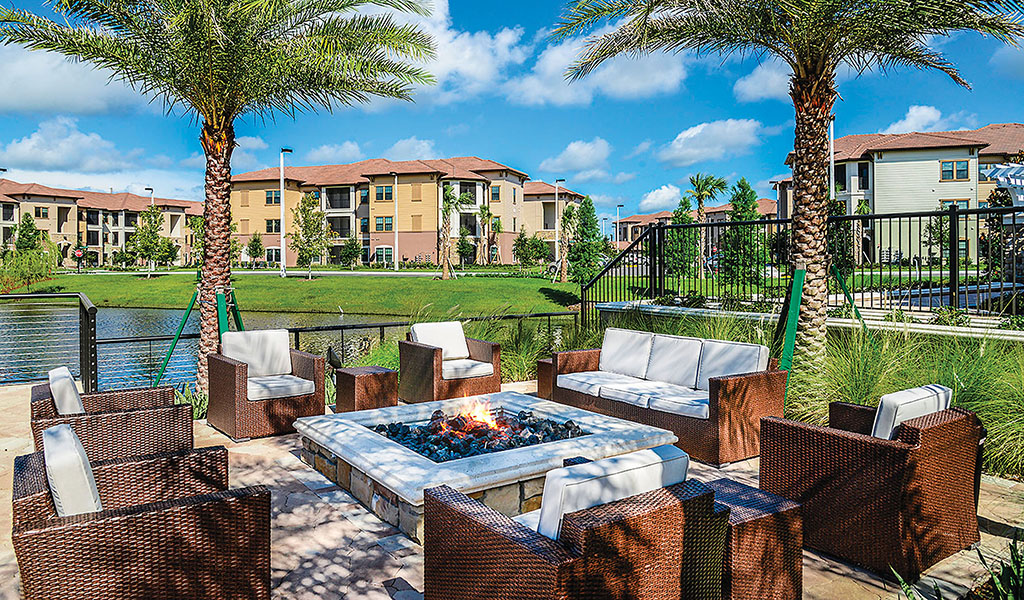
[[668, 543], [907, 503], [118, 423], [170, 528], [427, 373], [234, 412]]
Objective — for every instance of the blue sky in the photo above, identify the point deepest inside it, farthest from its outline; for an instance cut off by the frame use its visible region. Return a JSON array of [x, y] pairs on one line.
[[631, 134]]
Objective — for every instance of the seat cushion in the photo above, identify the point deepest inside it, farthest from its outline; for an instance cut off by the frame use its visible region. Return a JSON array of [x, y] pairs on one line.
[[687, 402], [267, 352], [626, 352], [447, 336], [530, 519], [674, 359], [278, 386], [720, 359], [464, 368], [69, 473], [637, 392], [898, 407], [65, 393], [590, 382], [574, 488]]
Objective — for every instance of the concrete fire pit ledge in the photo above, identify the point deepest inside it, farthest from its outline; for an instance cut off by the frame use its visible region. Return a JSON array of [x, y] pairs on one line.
[[389, 478]]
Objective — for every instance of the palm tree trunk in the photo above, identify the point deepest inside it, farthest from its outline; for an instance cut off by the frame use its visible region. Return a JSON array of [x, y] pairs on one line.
[[563, 252], [218, 144], [813, 99], [701, 216], [445, 248]]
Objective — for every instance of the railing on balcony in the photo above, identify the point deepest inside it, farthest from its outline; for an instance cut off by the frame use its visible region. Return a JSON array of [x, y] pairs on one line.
[[44, 331]]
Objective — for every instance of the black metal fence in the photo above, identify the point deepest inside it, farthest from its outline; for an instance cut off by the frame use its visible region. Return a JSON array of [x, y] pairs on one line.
[[968, 259], [41, 331]]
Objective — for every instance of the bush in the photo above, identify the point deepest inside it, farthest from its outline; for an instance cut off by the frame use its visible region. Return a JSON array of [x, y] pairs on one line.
[[196, 398], [950, 317], [1013, 322]]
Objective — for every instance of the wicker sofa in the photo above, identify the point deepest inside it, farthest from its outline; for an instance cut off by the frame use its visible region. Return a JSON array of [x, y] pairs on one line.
[[879, 488], [112, 424], [259, 386], [437, 361], [169, 528], [711, 394], [602, 542]]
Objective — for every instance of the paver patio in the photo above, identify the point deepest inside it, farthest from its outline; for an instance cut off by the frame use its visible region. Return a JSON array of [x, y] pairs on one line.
[[325, 545]]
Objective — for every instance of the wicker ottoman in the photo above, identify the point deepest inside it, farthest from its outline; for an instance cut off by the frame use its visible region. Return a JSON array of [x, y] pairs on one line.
[[763, 552], [545, 378], [363, 388]]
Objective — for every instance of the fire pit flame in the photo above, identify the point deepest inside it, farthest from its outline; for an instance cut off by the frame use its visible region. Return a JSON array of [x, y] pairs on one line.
[[481, 413]]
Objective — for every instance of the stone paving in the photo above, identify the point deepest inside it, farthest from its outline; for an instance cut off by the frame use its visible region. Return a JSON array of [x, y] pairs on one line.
[[326, 545]]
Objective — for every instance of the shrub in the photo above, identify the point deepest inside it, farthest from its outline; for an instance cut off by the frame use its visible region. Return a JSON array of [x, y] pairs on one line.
[[950, 316]]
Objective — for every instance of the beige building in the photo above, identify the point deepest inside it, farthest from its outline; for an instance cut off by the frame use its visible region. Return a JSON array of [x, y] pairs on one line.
[[540, 211], [385, 204]]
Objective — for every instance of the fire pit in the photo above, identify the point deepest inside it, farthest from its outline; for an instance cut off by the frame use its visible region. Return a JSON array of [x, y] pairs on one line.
[[476, 431], [388, 475]]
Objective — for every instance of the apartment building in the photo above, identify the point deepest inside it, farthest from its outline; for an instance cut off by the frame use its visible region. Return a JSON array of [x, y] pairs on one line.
[[54, 211], [541, 210], [387, 204], [632, 227]]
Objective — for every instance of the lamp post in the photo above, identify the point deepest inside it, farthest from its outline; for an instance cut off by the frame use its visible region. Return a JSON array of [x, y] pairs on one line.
[[394, 223], [558, 233], [604, 223], [284, 255], [832, 160], [617, 207]]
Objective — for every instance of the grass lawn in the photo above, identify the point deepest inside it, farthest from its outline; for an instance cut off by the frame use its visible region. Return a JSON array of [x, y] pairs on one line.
[[399, 296]]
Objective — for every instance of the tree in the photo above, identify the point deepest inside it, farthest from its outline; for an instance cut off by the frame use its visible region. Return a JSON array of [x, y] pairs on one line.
[[815, 40], [743, 257], [351, 250], [682, 244], [936, 234], [496, 231], [486, 216], [539, 250], [255, 248], [450, 205], [167, 252], [29, 238], [465, 247], [521, 249], [704, 189], [124, 258], [219, 60], [566, 232], [310, 237], [586, 251], [197, 224], [145, 242]]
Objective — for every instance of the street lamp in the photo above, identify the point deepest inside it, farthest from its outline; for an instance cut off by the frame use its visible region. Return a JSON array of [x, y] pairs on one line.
[[284, 268], [151, 200], [617, 207], [604, 223], [394, 223], [558, 233]]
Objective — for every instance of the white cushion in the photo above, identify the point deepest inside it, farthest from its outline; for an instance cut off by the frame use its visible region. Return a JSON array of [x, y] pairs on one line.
[[574, 488], [65, 392], [267, 352], [688, 403], [590, 382], [464, 368], [674, 359], [278, 386], [626, 352], [720, 359], [898, 407], [636, 392], [69, 474], [447, 336], [530, 519]]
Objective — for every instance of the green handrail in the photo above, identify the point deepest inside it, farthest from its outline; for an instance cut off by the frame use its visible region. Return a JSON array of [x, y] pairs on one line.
[[792, 318], [177, 334]]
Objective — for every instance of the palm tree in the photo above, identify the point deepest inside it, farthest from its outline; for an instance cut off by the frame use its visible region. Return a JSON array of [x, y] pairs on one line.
[[486, 216], [566, 232], [217, 60], [450, 205], [703, 189], [814, 38]]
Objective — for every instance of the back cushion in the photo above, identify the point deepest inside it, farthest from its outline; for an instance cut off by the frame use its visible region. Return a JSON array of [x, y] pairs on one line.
[[266, 352], [448, 336], [65, 392], [898, 407], [626, 352], [574, 488], [69, 474], [720, 359], [674, 359]]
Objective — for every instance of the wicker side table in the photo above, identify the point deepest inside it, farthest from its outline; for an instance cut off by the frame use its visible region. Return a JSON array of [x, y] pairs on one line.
[[363, 388], [763, 552], [545, 378]]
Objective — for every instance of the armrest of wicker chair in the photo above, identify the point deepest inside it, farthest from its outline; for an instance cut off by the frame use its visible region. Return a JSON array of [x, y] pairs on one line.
[[98, 402], [228, 377], [471, 551], [418, 371], [855, 418], [485, 351], [129, 432], [308, 366], [575, 361], [753, 395], [213, 545]]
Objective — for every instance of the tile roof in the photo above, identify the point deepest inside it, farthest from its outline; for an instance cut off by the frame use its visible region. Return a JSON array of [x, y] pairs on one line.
[[765, 206], [107, 201], [647, 219], [13, 188], [462, 167], [542, 188]]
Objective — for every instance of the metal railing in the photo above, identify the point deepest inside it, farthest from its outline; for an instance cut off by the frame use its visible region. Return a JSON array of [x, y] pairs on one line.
[[968, 259], [40, 331]]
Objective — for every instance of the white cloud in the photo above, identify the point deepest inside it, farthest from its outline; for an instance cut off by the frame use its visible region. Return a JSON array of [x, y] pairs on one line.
[[768, 81], [664, 198], [248, 142], [712, 141], [58, 143], [411, 148], [579, 155], [621, 78], [640, 148], [607, 199], [1009, 62], [929, 118], [342, 153], [602, 175]]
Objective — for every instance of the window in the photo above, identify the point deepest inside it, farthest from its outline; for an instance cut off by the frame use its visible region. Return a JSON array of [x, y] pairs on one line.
[[114, 219], [131, 219], [983, 178], [388, 224], [92, 217], [114, 238], [417, 222], [364, 197], [417, 192], [380, 223], [42, 212], [273, 225], [364, 225], [841, 177], [273, 255], [339, 198], [346, 227], [513, 195], [384, 193], [8, 212], [863, 180], [366, 254], [955, 170], [495, 193], [467, 187], [273, 197], [384, 255], [92, 238], [243, 227], [244, 199]]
